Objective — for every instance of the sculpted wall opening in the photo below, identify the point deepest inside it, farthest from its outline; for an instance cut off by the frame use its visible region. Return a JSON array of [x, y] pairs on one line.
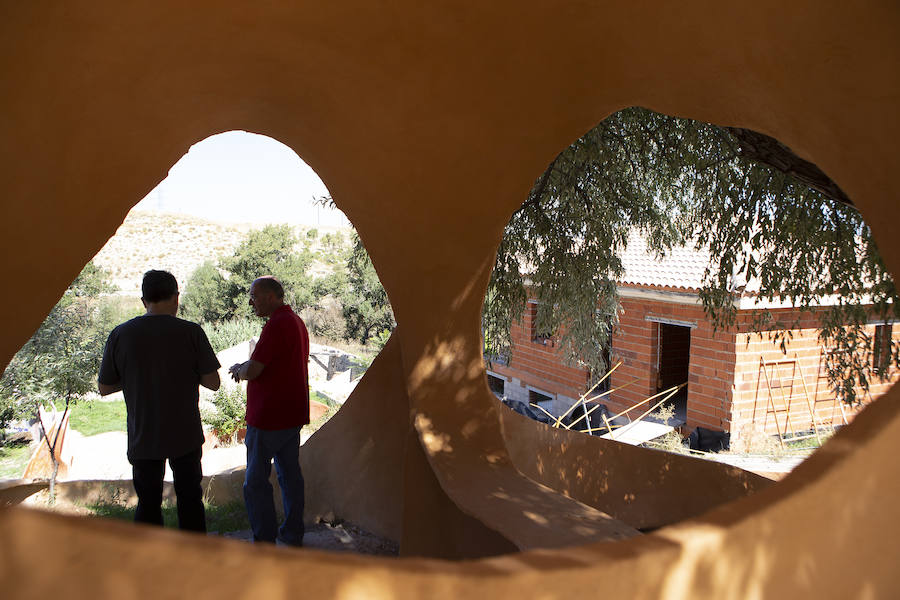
[[693, 288], [235, 207]]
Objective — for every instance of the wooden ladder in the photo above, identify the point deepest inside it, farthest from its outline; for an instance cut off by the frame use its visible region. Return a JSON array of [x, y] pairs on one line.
[[786, 398]]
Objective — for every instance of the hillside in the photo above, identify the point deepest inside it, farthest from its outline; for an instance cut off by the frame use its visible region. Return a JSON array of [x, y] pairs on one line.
[[180, 243]]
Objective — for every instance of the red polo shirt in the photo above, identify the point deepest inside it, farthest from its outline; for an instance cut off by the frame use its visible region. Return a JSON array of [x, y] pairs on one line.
[[279, 397]]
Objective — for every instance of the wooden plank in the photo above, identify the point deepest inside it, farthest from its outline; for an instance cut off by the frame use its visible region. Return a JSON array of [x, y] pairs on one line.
[[639, 432]]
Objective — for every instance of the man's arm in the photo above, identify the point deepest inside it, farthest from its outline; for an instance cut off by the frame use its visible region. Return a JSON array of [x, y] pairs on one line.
[[211, 380], [108, 371], [106, 390], [247, 370]]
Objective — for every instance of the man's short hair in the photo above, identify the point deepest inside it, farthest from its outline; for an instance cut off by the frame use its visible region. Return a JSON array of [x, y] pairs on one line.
[[158, 286], [269, 283]]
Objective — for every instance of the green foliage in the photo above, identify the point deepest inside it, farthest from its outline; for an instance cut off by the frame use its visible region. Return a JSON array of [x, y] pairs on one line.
[[566, 239], [269, 251], [231, 408], [333, 241], [334, 284], [11, 409], [681, 181], [379, 340], [113, 310], [92, 418], [61, 360], [204, 297], [348, 303], [367, 310], [210, 296], [225, 334], [219, 518], [91, 282]]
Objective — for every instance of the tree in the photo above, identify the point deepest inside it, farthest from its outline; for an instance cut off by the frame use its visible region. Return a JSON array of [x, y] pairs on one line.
[[210, 296], [204, 297], [61, 360], [269, 251], [367, 310], [763, 212]]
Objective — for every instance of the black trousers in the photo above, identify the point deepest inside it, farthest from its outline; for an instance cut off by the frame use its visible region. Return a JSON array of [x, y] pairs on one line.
[[148, 483]]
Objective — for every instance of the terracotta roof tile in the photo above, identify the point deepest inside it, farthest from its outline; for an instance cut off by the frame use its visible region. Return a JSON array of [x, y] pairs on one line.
[[680, 267]]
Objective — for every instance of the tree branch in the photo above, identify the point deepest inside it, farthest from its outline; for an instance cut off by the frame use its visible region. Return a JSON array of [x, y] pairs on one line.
[[769, 151]]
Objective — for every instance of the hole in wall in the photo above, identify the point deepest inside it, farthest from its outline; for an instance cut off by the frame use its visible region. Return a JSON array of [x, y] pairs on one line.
[[236, 206], [651, 226]]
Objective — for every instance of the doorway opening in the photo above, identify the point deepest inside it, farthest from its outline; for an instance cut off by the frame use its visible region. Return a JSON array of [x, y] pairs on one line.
[[674, 356]]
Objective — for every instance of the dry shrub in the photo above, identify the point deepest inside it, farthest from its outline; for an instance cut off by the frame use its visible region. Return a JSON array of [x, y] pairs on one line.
[[753, 440], [326, 320]]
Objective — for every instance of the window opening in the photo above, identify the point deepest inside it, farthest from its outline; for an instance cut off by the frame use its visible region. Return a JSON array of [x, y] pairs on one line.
[[497, 385], [543, 400], [881, 348]]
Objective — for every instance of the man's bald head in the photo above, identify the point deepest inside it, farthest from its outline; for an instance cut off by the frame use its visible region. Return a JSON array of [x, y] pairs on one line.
[[266, 295], [270, 284]]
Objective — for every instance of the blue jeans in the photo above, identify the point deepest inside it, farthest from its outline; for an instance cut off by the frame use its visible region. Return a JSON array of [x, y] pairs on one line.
[[283, 445]]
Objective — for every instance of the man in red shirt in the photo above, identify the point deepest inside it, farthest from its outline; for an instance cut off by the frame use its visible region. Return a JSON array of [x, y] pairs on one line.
[[277, 407]]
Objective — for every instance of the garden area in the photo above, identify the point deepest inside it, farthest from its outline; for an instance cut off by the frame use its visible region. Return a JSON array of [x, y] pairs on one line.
[[329, 280]]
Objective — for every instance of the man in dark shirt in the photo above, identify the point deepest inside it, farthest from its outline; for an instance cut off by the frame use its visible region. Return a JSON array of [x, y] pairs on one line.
[[277, 407], [158, 360]]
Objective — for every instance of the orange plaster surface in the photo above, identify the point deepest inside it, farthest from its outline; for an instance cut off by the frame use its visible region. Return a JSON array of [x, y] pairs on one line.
[[428, 122]]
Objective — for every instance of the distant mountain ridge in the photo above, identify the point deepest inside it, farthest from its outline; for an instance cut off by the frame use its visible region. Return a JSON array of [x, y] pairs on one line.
[[177, 243]]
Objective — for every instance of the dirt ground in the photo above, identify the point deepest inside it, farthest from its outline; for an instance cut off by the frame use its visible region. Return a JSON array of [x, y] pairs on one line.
[[342, 537], [103, 456]]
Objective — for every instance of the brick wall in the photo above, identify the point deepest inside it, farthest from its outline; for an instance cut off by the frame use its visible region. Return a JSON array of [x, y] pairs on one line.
[[726, 385], [710, 368], [537, 364], [772, 396]]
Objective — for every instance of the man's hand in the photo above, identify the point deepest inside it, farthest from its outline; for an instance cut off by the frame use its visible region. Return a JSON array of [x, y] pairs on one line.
[[248, 370]]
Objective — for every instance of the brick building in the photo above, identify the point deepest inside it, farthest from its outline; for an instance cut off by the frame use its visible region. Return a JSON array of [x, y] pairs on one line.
[[736, 379]]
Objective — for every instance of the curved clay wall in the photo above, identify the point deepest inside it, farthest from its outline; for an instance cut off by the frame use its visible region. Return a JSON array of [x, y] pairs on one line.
[[428, 122]]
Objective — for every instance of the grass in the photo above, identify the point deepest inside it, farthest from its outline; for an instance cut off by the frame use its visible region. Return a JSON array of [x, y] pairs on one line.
[[227, 517], [226, 334], [322, 398], [13, 459], [91, 418], [123, 307]]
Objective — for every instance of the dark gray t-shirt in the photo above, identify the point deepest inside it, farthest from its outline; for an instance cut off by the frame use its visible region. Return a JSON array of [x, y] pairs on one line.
[[159, 359]]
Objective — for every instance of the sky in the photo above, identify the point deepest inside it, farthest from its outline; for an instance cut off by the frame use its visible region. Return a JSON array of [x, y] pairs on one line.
[[240, 177]]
